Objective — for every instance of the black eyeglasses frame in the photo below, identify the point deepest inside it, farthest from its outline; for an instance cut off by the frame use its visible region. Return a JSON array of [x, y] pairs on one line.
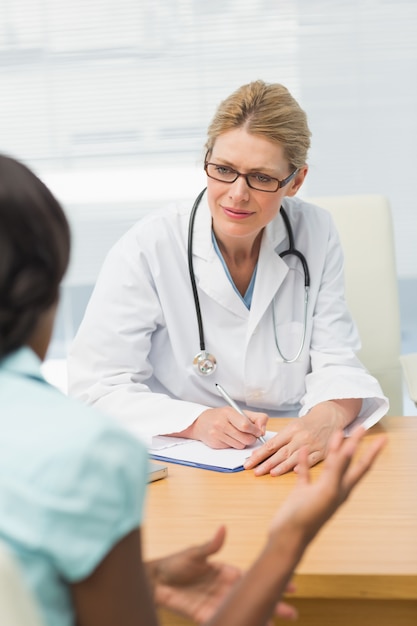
[[280, 183]]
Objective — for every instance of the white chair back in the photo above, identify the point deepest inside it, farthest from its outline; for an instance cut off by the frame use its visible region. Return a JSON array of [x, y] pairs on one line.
[[409, 367], [364, 223]]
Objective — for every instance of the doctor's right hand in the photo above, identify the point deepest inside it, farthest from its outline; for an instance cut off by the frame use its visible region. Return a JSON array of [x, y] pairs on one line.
[[226, 428]]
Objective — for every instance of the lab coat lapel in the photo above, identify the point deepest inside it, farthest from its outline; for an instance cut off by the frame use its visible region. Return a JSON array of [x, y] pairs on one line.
[[210, 275], [271, 272]]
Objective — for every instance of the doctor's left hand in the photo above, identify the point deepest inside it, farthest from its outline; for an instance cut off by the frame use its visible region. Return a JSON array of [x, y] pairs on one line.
[[314, 430], [226, 428]]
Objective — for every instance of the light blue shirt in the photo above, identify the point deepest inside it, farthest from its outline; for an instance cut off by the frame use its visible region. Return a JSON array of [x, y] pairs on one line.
[[72, 484], [247, 298]]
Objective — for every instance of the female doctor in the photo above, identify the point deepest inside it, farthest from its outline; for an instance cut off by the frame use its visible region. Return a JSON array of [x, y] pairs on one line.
[[244, 289]]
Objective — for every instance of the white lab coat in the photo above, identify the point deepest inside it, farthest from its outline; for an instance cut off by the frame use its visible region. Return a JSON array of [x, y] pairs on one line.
[[133, 354]]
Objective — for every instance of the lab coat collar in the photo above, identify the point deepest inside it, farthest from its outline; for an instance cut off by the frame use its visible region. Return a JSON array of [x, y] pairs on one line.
[[275, 232], [210, 275], [212, 278], [271, 273]]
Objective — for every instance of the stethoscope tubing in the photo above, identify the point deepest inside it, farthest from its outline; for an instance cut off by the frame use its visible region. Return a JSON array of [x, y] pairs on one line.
[[191, 269], [203, 356]]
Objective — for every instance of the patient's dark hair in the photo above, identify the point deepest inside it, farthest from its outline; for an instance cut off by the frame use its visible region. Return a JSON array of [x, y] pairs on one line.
[[34, 252]]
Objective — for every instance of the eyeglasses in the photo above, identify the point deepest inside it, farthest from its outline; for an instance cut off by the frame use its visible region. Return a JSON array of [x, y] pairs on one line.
[[255, 180]]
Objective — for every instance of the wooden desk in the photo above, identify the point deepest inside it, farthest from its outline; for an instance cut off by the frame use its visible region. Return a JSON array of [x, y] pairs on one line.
[[361, 569]]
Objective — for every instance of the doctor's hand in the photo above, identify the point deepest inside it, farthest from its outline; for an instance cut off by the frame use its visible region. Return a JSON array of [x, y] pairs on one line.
[[188, 583], [280, 454], [226, 428]]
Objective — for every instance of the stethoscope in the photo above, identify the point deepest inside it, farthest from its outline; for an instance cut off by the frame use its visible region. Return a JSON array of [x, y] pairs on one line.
[[206, 363]]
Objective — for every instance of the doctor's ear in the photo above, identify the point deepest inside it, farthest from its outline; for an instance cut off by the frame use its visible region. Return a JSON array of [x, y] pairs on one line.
[[297, 181]]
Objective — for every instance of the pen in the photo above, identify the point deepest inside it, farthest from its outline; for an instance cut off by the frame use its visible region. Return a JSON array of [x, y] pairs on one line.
[[233, 404]]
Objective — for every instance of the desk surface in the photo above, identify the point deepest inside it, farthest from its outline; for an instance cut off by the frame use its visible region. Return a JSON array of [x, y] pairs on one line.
[[367, 550]]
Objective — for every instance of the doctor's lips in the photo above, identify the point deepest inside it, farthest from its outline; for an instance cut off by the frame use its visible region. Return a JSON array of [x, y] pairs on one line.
[[237, 213]]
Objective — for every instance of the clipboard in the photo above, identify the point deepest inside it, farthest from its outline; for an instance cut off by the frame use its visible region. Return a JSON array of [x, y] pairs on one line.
[[196, 454], [214, 468]]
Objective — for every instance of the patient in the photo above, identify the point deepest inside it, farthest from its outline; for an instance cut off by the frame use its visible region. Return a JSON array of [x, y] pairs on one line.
[[73, 482]]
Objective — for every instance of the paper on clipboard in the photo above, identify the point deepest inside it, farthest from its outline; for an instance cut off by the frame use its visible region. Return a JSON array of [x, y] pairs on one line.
[[161, 442], [197, 454]]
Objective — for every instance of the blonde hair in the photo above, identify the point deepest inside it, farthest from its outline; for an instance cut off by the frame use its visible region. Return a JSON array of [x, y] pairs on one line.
[[268, 110]]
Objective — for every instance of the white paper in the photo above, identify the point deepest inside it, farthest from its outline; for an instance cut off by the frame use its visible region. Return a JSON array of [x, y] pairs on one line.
[[160, 442], [196, 452]]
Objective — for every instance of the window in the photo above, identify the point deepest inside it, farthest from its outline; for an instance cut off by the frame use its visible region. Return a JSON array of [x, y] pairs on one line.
[[105, 99]]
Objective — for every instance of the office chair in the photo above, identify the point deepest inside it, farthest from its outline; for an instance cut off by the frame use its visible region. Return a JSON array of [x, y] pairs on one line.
[[364, 224], [409, 366], [17, 606]]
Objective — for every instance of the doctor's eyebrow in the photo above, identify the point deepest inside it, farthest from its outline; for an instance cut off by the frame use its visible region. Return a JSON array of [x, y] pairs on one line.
[[260, 170]]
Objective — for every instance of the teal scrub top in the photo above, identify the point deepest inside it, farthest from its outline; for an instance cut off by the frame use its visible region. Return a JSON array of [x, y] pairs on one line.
[[72, 484]]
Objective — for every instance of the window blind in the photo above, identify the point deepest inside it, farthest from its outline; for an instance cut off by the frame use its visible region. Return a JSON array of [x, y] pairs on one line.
[[109, 101]]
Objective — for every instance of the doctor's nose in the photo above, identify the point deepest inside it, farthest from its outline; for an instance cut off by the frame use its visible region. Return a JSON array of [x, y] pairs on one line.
[[239, 190]]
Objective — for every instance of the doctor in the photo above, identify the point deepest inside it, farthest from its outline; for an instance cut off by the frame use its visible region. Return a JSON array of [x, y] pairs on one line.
[[257, 306]]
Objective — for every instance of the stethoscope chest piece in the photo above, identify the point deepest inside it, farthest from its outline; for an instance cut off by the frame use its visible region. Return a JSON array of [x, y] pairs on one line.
[[205, 363]]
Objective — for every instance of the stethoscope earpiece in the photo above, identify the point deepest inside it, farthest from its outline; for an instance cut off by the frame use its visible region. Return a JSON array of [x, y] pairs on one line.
[[205, 363]]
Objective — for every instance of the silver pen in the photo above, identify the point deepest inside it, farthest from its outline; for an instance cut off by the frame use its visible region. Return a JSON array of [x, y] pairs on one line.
[[233, 404]]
